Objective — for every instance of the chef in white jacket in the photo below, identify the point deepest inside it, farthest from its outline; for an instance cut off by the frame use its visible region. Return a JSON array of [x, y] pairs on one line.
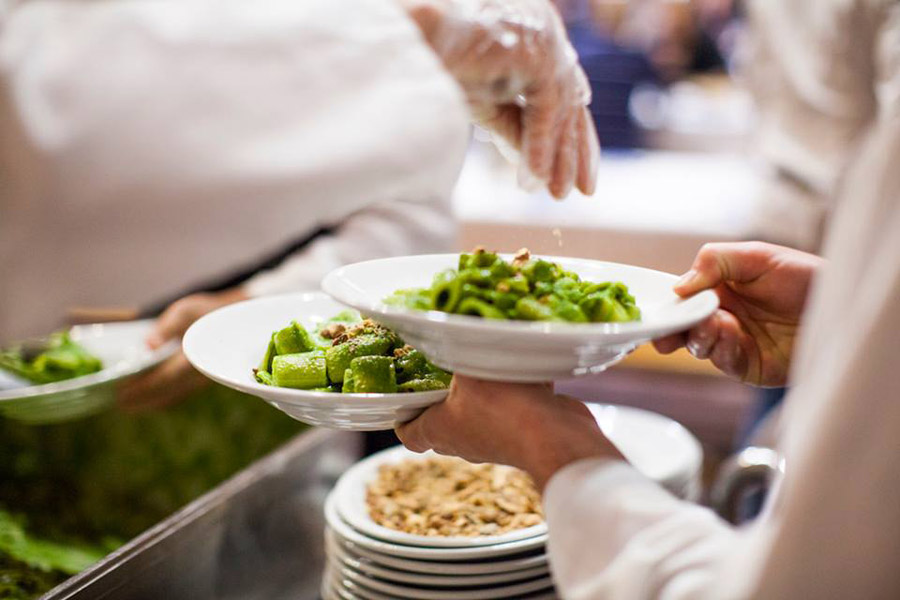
[[146, 146], [831, 527]]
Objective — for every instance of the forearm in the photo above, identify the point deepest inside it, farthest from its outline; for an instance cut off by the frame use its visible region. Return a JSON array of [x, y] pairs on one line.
[[388, 229], [616, 534]]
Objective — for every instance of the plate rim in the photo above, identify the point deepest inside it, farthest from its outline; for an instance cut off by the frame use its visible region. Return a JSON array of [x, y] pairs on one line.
[[339, 553], [470, 568], [536, 584]]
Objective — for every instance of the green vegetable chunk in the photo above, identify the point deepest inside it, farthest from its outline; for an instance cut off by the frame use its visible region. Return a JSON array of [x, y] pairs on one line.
[[265, 365], [264, 377], [446, 292], [293, 339], [348, 386], [411, 365], [480, 308], [426, 384], [529, 309], [338, 357], [373, 375], [302, 371], [566, 310]]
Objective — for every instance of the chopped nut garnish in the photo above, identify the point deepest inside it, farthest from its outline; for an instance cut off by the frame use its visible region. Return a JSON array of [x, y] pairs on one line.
[[367, 326], [333, 331], [479, 250], [521, 257], [503, 286], [451, 497], [400, 352]]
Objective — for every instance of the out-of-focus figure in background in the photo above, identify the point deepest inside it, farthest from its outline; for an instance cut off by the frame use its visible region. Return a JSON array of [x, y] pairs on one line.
[[149, 149], [821, 73]]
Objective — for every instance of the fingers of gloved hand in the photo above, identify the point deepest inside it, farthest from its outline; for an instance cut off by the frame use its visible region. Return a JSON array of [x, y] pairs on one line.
[[738, 262], [540, 131], [566, 163], [503, 122], [588, 152], [167, 384]]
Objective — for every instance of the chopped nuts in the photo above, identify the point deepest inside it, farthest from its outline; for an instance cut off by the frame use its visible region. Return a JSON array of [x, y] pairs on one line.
[[401, 352], [333, 331], [521, 257], [451, 497]]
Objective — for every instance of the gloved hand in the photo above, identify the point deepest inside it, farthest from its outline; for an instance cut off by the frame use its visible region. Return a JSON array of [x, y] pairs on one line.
[[522, 80]]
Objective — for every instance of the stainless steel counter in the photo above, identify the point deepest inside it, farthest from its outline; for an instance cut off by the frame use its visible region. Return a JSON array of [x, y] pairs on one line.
[[258, 535]]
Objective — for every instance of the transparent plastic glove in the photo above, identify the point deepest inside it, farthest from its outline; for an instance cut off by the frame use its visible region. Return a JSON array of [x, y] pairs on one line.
[[522, 80]]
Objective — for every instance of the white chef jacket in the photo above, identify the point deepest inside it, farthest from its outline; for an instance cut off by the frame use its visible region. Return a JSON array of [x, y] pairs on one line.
[[821, 71], [831, 528], [146, 145]]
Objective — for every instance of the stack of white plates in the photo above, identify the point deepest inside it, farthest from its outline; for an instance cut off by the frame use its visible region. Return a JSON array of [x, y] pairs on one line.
[[367, 561]]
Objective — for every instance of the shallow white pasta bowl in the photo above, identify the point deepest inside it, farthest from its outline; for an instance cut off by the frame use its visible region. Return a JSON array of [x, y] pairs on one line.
[[524, 351], [228, 343]]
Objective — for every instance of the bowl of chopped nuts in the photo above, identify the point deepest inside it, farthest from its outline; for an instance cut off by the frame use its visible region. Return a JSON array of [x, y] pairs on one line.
[[429, 500]]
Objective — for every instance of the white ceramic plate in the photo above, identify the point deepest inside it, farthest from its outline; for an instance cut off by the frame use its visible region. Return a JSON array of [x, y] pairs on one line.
[[124, 352], [371, 568], [370, 584], [660, 448], [228, 343], [504, 564], [344, 531], [335, 587], [351, 505], [657, 446], [517, 350]]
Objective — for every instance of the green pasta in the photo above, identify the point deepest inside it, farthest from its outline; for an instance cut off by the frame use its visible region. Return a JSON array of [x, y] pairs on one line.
[[426, 384], [303, 370], [292, 339], [373, 375], [53, 359], [411, 365], [346, 355], [339, 357], [526, 289]]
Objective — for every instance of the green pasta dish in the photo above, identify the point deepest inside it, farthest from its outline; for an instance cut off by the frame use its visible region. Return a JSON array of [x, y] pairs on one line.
[[56, 358], [525, 289], [347, 355]]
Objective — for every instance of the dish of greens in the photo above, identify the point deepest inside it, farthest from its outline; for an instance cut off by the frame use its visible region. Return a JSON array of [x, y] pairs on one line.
[[53, 359], [524, 289], [347, 355]]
